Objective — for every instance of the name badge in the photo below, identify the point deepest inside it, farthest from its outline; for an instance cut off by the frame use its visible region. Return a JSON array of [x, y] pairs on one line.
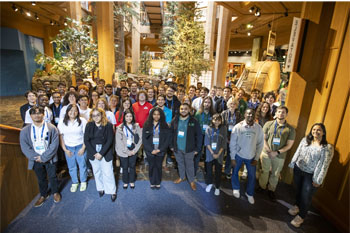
[[205, 127], [213, 145], [39, 147], [156, 141], [181, 134], [276, 141], [98, 148], [128, 142], [57, 119], [230, 128]]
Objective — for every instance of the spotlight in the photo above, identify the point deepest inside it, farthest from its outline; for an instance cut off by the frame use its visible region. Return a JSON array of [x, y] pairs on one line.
[[251, 10], [36, 16], [286, 14], [28, 14], [248, 33], [51, 23], [257, 12], [14, 7], [235, 51], [269, 25], [247, 52], [249, 25], [33, 4]]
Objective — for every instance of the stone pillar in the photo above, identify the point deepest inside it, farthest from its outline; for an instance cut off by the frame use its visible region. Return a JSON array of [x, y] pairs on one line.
[[135, 53], [210, 30], [105, 39], [222, 46]]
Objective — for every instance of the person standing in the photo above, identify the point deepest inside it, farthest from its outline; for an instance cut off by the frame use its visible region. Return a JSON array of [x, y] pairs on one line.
[[186, 143], [39, 142], [43, 102], [156, 137], [127, 144], [254, 102], [141, 108], [119, 116], [71, 130], [242, 106], [98, 139], [70, 98], [310, 164], [56, 107], [246, 144], [221, 104], [84, 110], [263, 114], [102, 103], [31, 97], [196, 104], [279, 138], [215, 142], [171, 100]]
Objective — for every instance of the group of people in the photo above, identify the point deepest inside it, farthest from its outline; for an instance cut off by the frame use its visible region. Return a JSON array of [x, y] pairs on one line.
[[94, 125]]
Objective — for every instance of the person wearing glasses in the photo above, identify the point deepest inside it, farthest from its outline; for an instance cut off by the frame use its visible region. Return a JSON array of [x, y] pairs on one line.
[[98, 139]]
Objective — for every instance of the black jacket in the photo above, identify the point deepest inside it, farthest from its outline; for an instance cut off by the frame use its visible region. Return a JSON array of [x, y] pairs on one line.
[[194, 137], [174, 105], [165, 137], [105, 137], [220, 105]]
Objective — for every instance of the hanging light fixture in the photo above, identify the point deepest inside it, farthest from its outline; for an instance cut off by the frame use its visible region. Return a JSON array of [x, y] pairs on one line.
[[251, 10], [36, 16], [14, 7], [257, 12]]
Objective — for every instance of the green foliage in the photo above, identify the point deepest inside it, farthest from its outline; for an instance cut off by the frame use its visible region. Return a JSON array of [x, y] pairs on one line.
[[76, 53], [145, 62], [184, 51]]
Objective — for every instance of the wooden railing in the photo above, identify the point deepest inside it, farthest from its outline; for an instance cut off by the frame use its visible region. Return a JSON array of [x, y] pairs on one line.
[[18, 185]]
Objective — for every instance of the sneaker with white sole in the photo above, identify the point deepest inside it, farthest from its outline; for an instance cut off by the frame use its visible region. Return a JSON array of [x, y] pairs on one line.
[[250, 199], [83, 186], [297, 221], [217, 192], [294, 210], [236, 193], [74, 188], [208, 188]]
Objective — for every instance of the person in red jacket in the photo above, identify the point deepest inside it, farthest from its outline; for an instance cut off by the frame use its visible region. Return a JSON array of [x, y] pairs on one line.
[[141, 108]]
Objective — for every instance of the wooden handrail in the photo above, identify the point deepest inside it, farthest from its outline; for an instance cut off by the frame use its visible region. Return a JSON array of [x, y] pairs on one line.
[[9, 135]]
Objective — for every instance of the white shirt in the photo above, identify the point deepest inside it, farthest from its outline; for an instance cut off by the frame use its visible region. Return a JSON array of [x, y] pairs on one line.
[[111, 117], [39, 138], [196, 104], [73, 133], [63, 111], [85, 113], [47, 116]]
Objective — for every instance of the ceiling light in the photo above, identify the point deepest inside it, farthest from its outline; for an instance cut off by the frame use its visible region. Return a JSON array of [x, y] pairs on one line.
[[248, 33], [14, 7], [33, 4], [286, 14], [247, 51], [249, 25], [257, 12], [36, 16], [51, 22], [28, 14], [251, 10]]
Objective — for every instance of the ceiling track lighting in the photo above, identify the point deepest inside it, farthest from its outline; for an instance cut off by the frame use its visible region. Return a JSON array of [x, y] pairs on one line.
[[36, 16], [33, 3], [14, 7], [28, 14], [65, 23], [257, 12], [251, 10]]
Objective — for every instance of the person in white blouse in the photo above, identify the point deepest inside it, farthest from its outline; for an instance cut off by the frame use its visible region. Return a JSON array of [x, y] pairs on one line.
[[198, 101], [71, 129], [43, 102], [310, 164], [102, 103]]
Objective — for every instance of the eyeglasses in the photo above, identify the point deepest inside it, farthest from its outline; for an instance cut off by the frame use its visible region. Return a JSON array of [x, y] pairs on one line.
[[96, 115], [216, 119]]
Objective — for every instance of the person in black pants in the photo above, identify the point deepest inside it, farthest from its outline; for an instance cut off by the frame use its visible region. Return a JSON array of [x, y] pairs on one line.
[[156, 137]]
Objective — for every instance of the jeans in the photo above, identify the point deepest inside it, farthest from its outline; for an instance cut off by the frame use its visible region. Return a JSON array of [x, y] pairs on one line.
[[251, 174], [209, 175], [43, 170], [155, 167], [75, 160], [129, 172], [304, 190]]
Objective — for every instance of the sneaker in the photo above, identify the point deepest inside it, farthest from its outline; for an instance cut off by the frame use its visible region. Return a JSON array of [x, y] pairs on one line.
[[74, 188], [297, 221], [209, 186], [228, 176], [250, 199], [294, 210], [83, 186], [217, 192], [90, 174], [271, 195], [236, 193], [40, 201]]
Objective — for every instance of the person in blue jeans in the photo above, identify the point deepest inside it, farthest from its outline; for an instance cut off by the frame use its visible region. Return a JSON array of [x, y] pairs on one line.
[[71, 129], [246, 144]]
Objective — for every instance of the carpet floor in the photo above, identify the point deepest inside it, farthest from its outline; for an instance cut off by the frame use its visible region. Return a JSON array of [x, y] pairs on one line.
[[173, 208]]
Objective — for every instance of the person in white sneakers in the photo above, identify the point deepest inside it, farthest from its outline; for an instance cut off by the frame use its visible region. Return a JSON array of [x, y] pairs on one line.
[[246, 144], [310, 164]]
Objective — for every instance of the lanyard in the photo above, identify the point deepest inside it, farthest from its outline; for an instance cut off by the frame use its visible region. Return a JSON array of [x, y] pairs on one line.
[[154, 129], [172, 102], [126, 131], [54, 110], [42, 132], [203, 115], [115, 111], [274, 133], [223, 104], [212, 135], [229, 117]]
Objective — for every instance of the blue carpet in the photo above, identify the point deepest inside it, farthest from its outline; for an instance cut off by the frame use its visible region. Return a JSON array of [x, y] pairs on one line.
[[173, 208]]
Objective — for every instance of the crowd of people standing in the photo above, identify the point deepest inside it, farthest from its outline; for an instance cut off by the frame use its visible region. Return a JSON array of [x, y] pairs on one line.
[[89, 126]]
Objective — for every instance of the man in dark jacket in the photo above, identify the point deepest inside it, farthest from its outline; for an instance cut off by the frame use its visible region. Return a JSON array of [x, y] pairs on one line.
[[171, 101], [186, 143]]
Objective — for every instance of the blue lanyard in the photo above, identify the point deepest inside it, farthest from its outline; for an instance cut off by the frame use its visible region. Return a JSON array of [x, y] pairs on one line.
[[274, 133], [223, 104], [154, 129], [212, 135], [115, 111], [229, 117], [42, 132], [54, 111], [126, 131], [203, 115], [172, 102]]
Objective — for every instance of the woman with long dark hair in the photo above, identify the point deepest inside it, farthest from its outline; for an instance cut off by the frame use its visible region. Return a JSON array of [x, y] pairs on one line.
[[93, 99], [156, 137], [71, 130], [71, 97], [310, 165], [263, 113], [127, 144], [98, 139], [126, 105]]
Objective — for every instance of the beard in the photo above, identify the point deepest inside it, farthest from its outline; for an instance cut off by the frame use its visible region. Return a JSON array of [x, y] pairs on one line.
[[184, 115]]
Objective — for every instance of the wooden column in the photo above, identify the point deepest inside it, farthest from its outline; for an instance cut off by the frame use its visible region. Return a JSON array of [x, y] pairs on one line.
[[105, 39], [222, 45], [74, 10], [135, 52], [210, 30], [256, 50]]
